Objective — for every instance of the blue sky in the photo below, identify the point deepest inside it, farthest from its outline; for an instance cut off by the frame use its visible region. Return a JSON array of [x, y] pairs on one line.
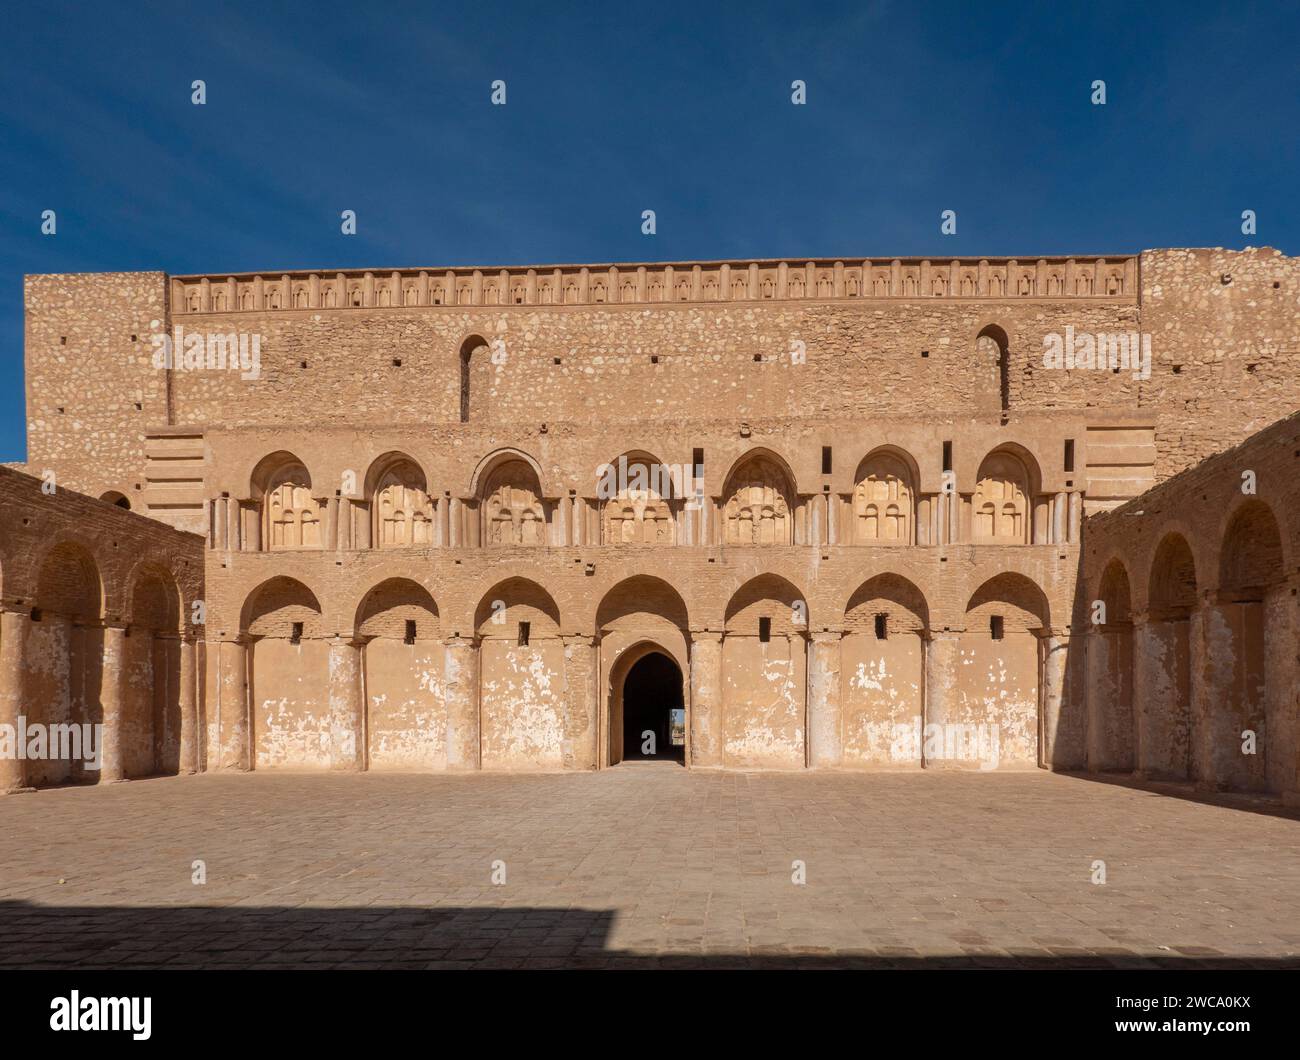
[[383, 108]]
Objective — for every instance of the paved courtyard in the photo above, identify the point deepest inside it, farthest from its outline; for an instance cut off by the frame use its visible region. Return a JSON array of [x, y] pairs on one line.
[[643, 866]]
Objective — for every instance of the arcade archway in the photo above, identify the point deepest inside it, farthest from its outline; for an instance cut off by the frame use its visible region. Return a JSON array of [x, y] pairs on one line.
[[647, 709]]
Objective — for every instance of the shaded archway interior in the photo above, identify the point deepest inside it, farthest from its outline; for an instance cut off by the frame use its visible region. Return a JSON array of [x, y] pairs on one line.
[[651, 691]]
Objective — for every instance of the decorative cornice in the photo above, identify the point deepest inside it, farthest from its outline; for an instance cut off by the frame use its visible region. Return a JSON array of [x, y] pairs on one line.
[[1108, 278]]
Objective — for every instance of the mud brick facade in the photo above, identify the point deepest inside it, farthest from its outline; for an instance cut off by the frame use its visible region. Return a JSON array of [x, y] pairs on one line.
[[454, 518]]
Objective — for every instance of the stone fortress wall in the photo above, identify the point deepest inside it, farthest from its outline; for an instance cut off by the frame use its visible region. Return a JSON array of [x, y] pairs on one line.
[[880, 491]]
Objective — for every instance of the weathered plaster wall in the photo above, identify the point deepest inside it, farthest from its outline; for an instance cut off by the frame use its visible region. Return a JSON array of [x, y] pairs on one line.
[[996, 685], [407, 717], [522, 704], [763, 702], [882, 694], [291, 704]]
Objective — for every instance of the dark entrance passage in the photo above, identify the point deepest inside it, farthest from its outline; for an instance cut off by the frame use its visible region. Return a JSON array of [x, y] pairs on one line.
[[652, 690]]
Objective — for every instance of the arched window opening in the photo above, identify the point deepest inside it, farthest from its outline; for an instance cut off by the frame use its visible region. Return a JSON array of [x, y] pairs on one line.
[[474, 365], [993, 348]]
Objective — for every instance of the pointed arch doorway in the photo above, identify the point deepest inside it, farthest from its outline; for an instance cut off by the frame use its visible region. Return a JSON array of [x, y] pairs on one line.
[[647, 707]]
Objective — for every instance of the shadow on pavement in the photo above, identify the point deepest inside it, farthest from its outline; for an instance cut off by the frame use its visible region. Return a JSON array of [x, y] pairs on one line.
[[213, 937]]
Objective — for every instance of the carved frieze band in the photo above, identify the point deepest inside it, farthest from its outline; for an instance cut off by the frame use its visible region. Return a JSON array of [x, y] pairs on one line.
[[1003, 278]]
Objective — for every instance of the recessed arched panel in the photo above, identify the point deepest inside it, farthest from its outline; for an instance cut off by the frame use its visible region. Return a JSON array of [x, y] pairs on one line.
[[771, 597], [1250, 558], [512, 509], [1251, 639], [288, 676], [403, 656], [1115, 593], [1111, 733], [1001, 505], [68, 583], [64, 644], [396, 608], [635, 493], [272, 466], [154, 600], [640, 603], [291, 515], [1015, 598], [884, 499], [1172, 584], [893, 596], [282, 607], [882, 673], [521, 677], [758, 505], [150, 695], [765, 675], [1164, 652], [511, 602], [401, 508], [640, 615], [995, 683]]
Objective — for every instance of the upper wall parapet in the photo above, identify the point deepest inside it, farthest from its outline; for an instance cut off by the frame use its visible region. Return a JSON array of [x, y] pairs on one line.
[[1108, 278]]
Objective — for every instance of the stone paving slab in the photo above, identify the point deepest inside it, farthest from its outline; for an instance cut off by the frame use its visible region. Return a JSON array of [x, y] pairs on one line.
[[644, 867]]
